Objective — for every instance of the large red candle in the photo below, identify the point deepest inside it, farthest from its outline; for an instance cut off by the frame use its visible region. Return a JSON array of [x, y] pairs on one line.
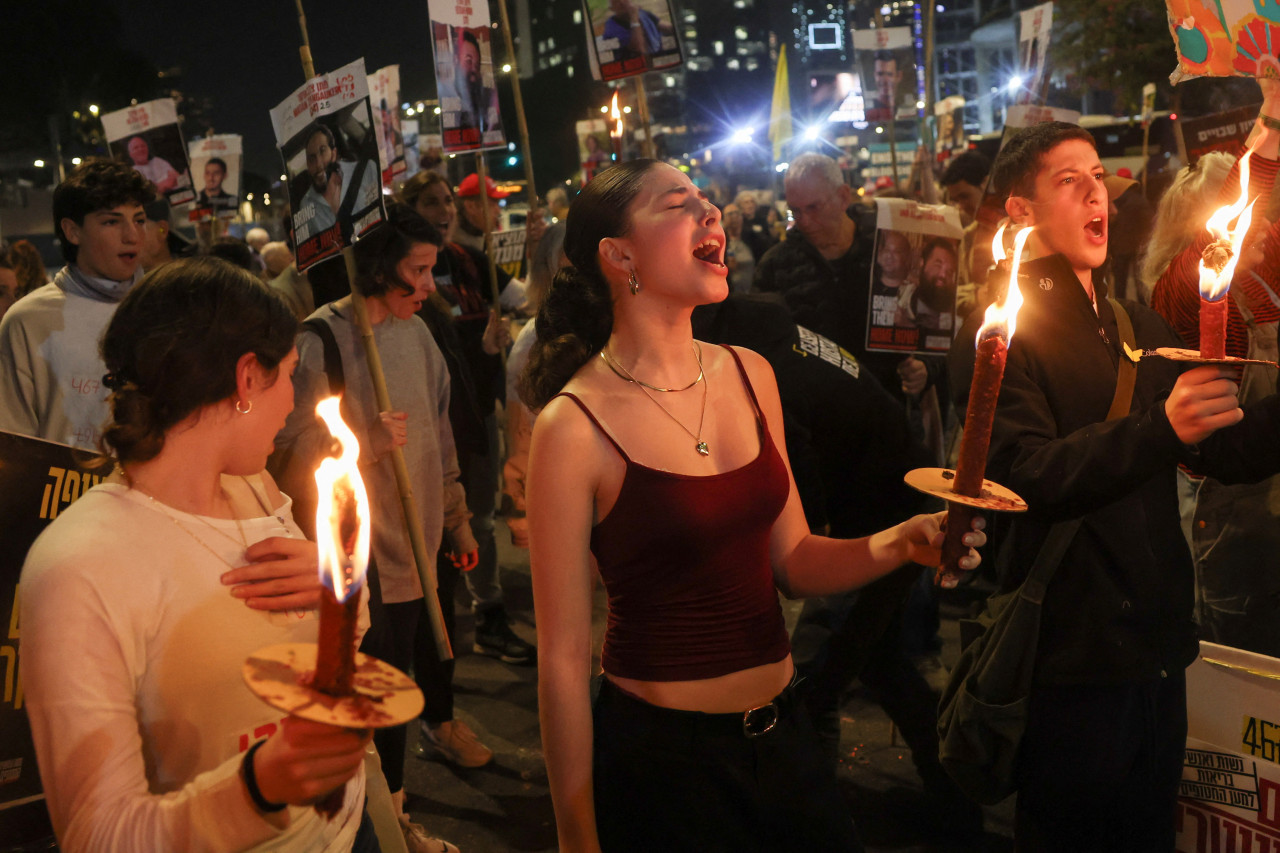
[[984, 390], [1213, 328], [1218, 265]]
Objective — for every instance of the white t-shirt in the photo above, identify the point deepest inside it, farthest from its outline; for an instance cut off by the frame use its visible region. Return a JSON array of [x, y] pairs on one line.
[[131, 653]]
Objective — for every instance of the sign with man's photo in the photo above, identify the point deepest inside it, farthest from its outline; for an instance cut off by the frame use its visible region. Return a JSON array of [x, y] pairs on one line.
[[326, 136], [147, 137], [630, 37], [887, 67], [912, 297], [470, 116], [384, 97], [217, 160]]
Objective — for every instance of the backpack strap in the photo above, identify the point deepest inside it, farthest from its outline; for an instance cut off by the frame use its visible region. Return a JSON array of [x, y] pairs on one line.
[[1127, 374], [332, 355]]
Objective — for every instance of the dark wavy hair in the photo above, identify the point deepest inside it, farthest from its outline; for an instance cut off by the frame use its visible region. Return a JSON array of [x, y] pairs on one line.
[[173, 343], [576, 318], [96, 184], [381, 250]]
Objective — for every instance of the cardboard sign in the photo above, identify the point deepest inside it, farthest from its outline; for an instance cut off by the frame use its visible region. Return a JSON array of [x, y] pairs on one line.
[[38, 480], [384, 97], [1229, 796], [1225, 131], [912, 294], [630, 37], [950, 118], [887, 67], [1033, 45], [1224, 38], [595, 149], [470, 118], [215, 160], [330, 150], [148, 138]]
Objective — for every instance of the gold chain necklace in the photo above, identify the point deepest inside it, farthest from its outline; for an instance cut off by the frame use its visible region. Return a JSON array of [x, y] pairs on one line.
[[619, 370], [163, 509], [700, 445]]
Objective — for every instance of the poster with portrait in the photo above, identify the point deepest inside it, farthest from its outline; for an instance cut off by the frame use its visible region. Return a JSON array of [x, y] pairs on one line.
[[949, 114], [147, 137], [912, 301], [470, 117], [384, 97], [215, 161], [1036, 24], [595, 148], [887, 67], [630, 37], [412, 140], [325, 134], [38, 480]]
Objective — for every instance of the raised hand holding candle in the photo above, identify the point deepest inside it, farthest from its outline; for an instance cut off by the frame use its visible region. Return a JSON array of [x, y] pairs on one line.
[[1218, 265], [988, 372], [342, 536]]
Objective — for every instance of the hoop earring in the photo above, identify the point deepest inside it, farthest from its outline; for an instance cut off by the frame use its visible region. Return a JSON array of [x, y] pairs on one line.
[[247, 409], [633, 283]]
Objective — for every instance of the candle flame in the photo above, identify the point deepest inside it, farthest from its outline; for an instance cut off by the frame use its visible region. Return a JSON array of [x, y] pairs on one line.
[[1213, 284], [342, 509], [1002, 318], [616, 115]]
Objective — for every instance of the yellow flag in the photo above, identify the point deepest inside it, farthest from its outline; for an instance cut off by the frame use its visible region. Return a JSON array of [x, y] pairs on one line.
[[780, 112]]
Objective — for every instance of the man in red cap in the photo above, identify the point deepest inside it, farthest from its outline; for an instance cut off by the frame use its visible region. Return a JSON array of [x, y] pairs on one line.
[[470, 230]]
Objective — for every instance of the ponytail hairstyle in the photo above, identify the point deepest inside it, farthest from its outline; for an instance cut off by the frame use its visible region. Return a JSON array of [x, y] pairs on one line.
[[576, 317], [173, 343]]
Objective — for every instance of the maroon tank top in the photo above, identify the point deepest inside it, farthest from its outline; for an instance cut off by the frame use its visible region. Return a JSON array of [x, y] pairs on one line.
[[685, 563]]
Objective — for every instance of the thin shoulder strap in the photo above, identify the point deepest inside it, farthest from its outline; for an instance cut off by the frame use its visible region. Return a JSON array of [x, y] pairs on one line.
[[746, 381], [332, 355], [599, 426]]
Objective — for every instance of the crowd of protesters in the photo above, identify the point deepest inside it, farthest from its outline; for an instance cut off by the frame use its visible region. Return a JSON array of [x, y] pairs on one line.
[[693, 416]]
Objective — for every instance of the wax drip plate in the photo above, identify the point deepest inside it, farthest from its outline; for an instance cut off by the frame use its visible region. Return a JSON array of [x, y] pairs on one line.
[[385, 696], [938, 482], [1190, 356]]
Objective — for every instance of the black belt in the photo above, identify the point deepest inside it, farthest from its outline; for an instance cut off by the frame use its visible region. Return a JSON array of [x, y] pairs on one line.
[[752, 722]]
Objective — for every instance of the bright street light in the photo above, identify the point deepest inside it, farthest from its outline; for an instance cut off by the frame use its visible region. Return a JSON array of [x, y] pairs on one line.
[[1015, 83], [39, 164], [812, 132], [741, 137], [93, 108]]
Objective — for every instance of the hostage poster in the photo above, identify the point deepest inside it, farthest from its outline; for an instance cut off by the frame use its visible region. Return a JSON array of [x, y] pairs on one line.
[[1033, 45], [631, 37], [148, 138], [470, 118], [595, 148], [887, 68], [913, 280], [38, 480], [384, 96], [330, 150], [215, 160]]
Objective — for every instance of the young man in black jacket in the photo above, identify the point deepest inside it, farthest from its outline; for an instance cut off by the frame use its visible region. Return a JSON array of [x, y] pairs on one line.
[[1102, 753]]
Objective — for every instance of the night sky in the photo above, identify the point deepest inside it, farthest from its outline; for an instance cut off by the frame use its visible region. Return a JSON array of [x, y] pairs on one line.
[[244, 55]]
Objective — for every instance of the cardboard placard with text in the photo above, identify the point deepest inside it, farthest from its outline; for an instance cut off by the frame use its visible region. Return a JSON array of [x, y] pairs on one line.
[[215, 160], [147, 137], [470, 116], [1225, 131], [629, 37], [384, 98], [887, 69]]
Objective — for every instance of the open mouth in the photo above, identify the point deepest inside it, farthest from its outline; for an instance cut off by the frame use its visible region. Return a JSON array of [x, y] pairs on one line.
[[1097, 228], [709, 252]]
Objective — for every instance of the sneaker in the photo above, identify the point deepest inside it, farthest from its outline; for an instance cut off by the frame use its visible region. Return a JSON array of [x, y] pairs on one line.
[[455, 742], [495, 638], [417, 840]]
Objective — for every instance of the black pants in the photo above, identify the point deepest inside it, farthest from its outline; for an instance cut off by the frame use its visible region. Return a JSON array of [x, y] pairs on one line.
[[682, 781], [393, 631], [434, 676], [1099, 767]]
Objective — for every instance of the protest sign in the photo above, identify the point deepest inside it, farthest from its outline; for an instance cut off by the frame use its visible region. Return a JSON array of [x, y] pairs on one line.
[[325, 133], [1225, 131], [881, 159], [412, 147], [912, 301], [148, 138], [1229, 795], [1033, 44], [1224, 38], [384, 97], [470, 118], [950, 118], [594, 147], [38, 480], [887, 67], [217, 159], [508, 250], [630, 37]]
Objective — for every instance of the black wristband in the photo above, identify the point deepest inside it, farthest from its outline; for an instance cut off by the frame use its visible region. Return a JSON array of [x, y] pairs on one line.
[[261, 802]]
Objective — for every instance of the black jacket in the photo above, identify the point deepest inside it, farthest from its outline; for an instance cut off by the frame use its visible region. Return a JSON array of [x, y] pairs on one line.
[[1119, 607]]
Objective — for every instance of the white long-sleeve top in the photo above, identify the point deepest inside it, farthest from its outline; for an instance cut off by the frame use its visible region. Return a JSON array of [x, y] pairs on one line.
[[131, 661]]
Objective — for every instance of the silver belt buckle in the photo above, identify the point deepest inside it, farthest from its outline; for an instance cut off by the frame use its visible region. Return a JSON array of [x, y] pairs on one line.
[[760, 720]]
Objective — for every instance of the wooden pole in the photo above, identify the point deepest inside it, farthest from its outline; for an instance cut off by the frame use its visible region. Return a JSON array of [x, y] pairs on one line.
[[642, 104], [412, 519], [521, 122]]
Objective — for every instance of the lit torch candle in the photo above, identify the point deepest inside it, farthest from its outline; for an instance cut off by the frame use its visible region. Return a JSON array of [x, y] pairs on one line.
[[342, 537], [988, 372], [1218, 265], [615, 133]]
